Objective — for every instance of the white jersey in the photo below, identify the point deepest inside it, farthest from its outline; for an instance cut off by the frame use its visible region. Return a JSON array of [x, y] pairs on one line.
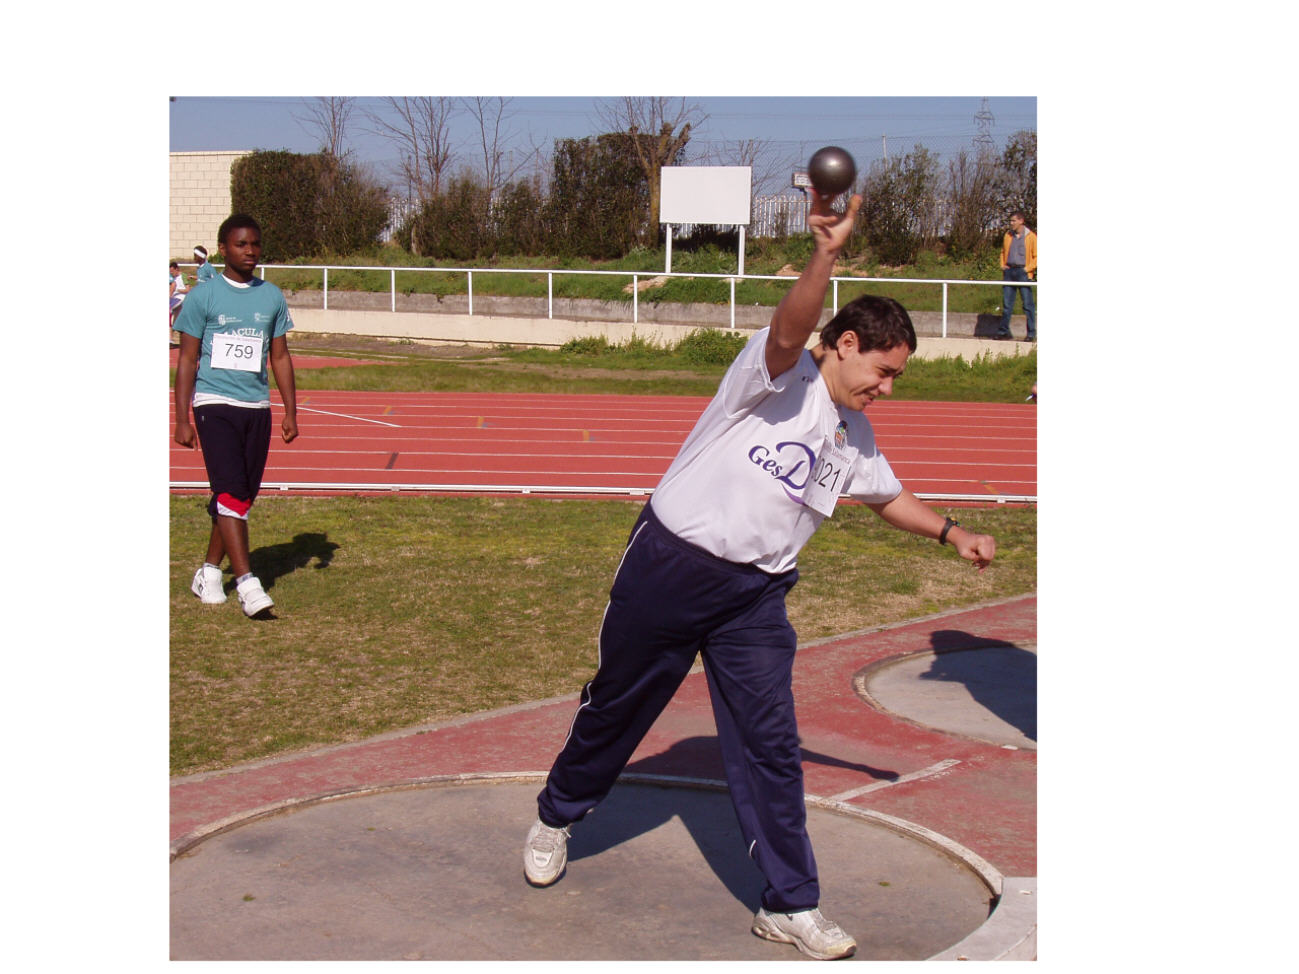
[[752, 479]]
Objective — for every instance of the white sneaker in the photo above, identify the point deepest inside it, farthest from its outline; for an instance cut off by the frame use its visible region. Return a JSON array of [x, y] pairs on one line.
[[207, 585], [252, 596], [545, 854], [807, 930]]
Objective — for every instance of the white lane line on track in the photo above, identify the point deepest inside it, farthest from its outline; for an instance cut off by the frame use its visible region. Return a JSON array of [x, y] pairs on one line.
[[359, 419], [928, 772]]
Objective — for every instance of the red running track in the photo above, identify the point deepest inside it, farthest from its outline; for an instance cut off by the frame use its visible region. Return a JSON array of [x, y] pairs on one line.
[[358, 441]]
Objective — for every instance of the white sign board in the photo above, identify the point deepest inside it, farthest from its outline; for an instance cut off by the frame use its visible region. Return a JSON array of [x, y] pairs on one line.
[[705, 194]]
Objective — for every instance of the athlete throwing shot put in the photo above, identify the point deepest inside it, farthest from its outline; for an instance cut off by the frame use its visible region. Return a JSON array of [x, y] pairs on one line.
[[231, 328], [707, 568]]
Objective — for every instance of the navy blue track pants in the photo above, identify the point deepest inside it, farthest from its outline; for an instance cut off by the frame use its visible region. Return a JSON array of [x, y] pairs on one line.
[[670, 601]]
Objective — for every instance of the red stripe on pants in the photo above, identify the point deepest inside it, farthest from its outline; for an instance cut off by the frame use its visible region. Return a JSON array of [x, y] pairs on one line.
[[234, 504]]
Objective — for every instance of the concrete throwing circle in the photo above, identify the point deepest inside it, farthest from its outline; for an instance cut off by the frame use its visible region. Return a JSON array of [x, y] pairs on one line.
[[987, 693], [435, 872]]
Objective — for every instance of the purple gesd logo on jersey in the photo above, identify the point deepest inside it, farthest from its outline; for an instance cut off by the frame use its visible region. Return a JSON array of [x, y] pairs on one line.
[[787, 463]]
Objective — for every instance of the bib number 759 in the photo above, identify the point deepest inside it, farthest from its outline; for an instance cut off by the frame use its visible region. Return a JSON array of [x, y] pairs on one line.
[[242, 353]]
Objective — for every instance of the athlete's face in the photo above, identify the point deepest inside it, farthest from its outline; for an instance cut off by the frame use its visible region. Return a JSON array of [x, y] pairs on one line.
[[242, 250], [863, 376]]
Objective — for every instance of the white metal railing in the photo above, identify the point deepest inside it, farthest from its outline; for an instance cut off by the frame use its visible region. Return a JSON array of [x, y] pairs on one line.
[[635, 279]]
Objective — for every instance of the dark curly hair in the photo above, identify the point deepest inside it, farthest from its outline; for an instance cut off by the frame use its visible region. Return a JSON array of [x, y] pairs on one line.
[[880, 323], [238, 221]]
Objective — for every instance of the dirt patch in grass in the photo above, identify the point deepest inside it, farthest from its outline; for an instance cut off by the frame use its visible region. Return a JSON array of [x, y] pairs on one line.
[[469, 357], [645, 285], [349, 345]]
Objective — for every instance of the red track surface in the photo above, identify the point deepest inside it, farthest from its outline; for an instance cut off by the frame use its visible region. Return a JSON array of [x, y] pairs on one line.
[[466, 441]]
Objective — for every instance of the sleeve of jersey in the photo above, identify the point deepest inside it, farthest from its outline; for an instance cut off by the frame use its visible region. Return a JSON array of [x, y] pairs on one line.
[[283, 322], [746, 381], [191, 319], [872, 480]]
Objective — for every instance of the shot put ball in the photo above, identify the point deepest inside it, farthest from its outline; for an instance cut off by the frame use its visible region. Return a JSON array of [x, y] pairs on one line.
[[831, 170]]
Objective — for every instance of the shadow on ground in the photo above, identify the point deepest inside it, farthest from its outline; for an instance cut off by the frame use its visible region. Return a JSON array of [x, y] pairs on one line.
[[1000, 676], [273, 561], [618, 819]]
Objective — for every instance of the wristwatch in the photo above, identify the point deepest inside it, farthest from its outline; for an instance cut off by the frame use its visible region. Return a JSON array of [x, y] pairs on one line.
[[947, 526]]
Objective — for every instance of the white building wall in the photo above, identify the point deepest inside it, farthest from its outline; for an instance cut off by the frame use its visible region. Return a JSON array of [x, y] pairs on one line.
[[200, 200]]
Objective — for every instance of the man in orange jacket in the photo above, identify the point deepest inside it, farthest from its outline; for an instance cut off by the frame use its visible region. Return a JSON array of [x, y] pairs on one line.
[[1018, 264]]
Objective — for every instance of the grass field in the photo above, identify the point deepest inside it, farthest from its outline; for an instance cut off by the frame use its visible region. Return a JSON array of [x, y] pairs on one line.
[[397, 611]]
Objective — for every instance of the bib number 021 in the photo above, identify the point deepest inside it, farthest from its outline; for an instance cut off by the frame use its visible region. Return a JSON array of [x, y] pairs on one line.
[[243, 353], [828, 477]]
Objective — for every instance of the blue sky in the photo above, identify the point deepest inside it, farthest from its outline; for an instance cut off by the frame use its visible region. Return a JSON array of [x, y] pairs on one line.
[[793, 127]]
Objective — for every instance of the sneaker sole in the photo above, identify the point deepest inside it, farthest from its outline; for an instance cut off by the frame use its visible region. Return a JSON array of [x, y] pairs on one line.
[[543, 883], [539, 881], [780, 937]]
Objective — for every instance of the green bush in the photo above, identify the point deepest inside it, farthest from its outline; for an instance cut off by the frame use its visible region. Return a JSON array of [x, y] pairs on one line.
[[711, 346], [307, 205], [599, 197], [453, 225], [897, 215], [279, 190], [595, 345]]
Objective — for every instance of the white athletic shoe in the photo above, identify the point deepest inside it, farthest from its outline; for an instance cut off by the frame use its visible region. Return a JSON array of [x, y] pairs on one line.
[[207, 585], [252, 596], [545, 854], [807, 930]]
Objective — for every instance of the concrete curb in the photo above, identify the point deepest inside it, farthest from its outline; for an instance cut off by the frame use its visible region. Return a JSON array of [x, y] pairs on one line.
[[1011, 930], [487, 330]]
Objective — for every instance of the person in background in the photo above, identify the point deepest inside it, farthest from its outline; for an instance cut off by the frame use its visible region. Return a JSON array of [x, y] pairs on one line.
[[1018, 264], [205, 270], [175, 293], [231, 329]]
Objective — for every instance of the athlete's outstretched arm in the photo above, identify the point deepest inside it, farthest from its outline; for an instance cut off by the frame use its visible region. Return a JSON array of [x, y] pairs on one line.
[[910, 513], [798, 313]]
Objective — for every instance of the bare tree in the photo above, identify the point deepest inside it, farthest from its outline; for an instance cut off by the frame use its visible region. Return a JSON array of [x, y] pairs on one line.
[[771, 167], [327, 118], [420, 128], [971, 191], [501, 162], [659, 129]]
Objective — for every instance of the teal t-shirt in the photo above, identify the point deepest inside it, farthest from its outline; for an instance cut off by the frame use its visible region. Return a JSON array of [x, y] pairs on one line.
[[205, 272], [234, 326]]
